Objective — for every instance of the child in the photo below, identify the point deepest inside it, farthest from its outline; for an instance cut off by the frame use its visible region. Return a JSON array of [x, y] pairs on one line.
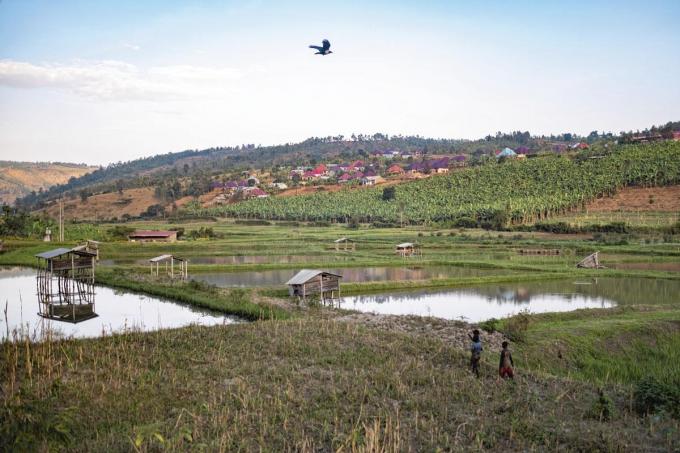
[[506, 363], [476, 351]]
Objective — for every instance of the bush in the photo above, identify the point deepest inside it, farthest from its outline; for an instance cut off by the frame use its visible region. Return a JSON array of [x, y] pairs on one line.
[[603, 407], [515, 327], [465, 222], [651, 395], [120, 232]]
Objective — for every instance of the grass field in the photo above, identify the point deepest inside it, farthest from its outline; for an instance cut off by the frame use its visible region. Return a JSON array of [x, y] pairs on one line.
[[307, 379]]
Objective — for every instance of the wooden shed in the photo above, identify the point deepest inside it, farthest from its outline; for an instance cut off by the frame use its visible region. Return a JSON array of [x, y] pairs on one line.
[[306, 283], [591, 262], [65, 282], [345, 244], [408, 249], [174, 266]]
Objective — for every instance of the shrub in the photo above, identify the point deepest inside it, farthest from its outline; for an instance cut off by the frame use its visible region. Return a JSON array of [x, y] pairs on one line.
[[651, 395], [466, 222], [515, 327], [602, 408]]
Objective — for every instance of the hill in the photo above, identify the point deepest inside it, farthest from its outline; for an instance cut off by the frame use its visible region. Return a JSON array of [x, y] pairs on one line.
[[18, 179], [199, 167], [494, 194]]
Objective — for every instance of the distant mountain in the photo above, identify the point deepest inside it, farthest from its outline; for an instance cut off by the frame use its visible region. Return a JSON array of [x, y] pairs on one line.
[[18, 179]]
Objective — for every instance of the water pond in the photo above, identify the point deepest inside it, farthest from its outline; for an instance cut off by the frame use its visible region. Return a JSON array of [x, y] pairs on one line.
[[236, 259], [479, 303], [118, 311], [349, 275]]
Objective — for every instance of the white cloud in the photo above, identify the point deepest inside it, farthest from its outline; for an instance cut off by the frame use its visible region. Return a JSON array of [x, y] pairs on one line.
[[117, 80]]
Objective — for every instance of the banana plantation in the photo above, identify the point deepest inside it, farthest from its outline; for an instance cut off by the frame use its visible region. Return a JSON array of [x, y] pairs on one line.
[[512, 192]]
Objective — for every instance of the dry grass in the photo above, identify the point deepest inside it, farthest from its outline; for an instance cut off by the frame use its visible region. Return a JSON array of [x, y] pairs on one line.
[[303, 385]]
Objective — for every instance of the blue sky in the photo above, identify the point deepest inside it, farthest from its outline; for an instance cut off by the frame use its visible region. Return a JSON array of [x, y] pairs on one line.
[[100, 81]]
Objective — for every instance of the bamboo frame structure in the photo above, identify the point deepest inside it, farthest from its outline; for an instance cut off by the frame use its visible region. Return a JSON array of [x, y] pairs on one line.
[[65, 284], [169, 262]]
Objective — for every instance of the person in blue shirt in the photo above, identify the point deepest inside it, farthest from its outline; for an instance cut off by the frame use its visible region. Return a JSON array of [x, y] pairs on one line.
[[476, 351]]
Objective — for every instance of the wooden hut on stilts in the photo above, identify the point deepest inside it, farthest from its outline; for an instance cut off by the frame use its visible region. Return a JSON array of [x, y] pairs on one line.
[[408, 249], [174, 266], [65, 282], [312, 283]]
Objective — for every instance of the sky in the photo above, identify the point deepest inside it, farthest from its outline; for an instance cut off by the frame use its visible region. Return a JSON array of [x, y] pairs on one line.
[[107, 81]]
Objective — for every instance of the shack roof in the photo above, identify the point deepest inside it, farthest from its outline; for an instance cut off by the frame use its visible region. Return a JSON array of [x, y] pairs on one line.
[[404, 245], [165, 257], [344, 240], [80, 250], [53, 253], [307, 274], [152, 233]]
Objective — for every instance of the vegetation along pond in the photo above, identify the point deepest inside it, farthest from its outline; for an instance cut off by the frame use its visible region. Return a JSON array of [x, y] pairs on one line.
[[118, 311], [479, 303], [352, 274]]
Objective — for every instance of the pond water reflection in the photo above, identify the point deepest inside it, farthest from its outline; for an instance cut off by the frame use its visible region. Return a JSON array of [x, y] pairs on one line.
[[501, 300], [117, 311], [349, 275]]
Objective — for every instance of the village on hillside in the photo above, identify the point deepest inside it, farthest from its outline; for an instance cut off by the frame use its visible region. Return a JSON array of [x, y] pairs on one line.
[[381, 167]]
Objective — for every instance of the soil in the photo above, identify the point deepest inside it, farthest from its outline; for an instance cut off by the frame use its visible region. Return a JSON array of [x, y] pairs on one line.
[[455, 333], [106, 205], [638, 199]]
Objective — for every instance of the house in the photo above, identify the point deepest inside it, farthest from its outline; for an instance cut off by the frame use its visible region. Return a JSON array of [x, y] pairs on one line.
[[395, 170], [559, 147], [459, 160], [153, 236], [579, 145], [346, 177], [306, 283], [357, 165], [440, 165], [255, 192], [676, 136], [278, 185], [416, 167], [522, 150], [507, 153], [369, 180]]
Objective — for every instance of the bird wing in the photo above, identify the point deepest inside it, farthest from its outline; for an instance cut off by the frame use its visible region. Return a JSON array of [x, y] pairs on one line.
[[326, 44], [319, 48]]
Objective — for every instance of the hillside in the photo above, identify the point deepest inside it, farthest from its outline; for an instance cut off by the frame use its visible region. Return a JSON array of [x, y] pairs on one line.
[[18, 179], [493, 194], [200, 166]]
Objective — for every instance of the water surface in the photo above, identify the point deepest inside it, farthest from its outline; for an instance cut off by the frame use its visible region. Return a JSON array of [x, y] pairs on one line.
[[349, 275], [118, 311], [500, 300]]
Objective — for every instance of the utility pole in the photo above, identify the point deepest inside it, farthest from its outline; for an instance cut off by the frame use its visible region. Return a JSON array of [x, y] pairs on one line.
[[61, 220]]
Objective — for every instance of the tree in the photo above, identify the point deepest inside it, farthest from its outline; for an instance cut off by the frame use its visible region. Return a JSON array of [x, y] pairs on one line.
[[84, 195], [389, 193]]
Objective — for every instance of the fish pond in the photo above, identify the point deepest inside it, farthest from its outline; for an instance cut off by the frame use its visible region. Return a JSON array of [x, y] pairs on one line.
[[349, 275], [117, 311], [483, 302]]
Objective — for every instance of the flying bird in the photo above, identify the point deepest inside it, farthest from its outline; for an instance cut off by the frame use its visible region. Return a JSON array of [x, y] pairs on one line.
[[324, 49]]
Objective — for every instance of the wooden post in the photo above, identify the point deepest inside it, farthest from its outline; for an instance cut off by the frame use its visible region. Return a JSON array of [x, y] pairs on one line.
[[172, 267]]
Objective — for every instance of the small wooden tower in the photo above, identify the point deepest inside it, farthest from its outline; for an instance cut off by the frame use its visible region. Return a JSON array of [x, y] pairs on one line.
[[308, 283], [179, 270], [406, 249], [65, 282], [344, 244], [591, 262]]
